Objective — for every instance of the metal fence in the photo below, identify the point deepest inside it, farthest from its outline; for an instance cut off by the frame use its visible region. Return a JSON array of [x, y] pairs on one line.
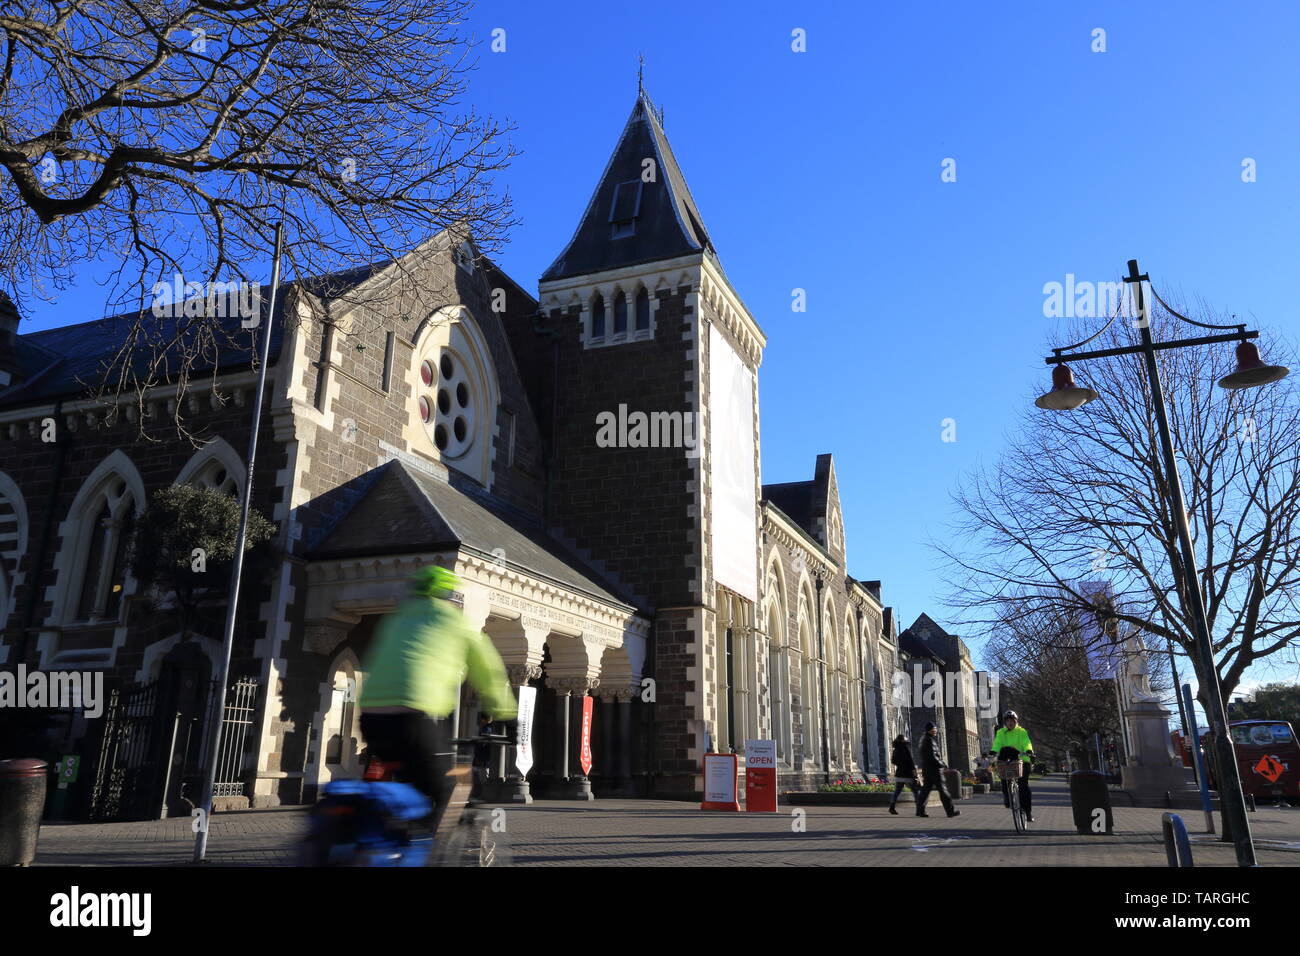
[[236, 722]]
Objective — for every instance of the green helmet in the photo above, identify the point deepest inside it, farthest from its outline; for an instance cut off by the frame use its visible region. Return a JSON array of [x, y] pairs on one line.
[[434, 581]]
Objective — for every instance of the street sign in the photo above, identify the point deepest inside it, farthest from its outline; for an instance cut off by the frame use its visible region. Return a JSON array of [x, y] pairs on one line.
[[524, 730], [584, 755], [1269, 767]]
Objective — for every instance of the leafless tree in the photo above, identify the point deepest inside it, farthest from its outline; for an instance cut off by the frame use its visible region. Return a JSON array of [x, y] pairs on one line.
[[1079, 498], [1041, 657], [171, 135]]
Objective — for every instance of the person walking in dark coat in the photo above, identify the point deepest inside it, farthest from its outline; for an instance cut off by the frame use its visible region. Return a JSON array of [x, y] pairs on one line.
[[904, 771], [932, 767]]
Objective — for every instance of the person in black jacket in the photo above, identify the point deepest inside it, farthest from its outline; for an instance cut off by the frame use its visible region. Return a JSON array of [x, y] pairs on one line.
[[932, 766], [904, 771]]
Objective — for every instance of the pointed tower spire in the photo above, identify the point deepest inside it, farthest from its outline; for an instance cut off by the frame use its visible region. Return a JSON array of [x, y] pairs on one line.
[[642, 209]]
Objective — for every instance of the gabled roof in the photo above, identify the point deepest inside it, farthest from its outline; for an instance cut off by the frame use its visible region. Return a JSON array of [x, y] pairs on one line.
[[914, 647], [803, 502], [405, 511], [667, 224]]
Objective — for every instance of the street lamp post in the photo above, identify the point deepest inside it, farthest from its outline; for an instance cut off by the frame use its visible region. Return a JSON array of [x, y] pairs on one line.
[[1064, 396]]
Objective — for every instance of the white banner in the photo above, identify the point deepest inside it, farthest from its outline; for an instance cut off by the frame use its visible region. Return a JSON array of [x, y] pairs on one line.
[[732, 470], [524, 745]]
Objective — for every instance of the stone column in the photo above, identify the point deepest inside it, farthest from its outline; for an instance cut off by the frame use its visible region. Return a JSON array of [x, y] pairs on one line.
[[608, 765], [624, 705], [572, 691], [516, 784]]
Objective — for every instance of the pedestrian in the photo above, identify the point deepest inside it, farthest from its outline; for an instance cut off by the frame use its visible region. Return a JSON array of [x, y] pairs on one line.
[[481, 762], [904, 771], [932, 767]]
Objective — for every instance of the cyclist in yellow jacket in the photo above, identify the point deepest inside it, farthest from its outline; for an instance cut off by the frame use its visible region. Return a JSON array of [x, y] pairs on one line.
[[1012, 735], [420, 655]]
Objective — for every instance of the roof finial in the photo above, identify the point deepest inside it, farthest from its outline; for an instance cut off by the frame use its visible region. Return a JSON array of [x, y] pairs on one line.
[[640, 75]]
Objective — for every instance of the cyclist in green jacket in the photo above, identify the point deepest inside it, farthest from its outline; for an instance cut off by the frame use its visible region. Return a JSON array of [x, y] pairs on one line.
[[419, 657], [1012, 735]]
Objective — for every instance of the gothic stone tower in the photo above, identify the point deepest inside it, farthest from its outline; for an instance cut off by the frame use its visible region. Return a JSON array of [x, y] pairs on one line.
[[665, 502]]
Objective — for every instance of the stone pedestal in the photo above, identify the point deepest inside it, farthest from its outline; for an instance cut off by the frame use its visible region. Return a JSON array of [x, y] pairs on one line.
[[1152, 769]]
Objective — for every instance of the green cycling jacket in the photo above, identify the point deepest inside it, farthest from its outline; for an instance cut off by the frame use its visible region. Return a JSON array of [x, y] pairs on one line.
[[1018, 738], [421, 654]]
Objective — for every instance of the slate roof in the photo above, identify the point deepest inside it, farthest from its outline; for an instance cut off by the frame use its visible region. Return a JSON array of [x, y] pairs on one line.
[[795, 500], [915, 647], [668, 223], [64, 362], [405, 511]]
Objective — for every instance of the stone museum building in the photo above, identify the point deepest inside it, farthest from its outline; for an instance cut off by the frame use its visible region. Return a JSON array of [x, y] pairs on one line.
[[583, 452]]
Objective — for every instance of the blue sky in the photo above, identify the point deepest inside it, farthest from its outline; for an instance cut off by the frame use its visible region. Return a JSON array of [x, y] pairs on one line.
[[821, 170]]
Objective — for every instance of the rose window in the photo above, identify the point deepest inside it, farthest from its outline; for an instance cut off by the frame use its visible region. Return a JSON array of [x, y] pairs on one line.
[[447, 404]]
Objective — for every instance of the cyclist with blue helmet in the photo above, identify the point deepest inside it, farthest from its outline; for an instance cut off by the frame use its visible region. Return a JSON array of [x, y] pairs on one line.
[[419, 656]]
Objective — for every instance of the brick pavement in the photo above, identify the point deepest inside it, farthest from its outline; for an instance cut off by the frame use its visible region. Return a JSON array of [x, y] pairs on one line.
[[671, 833]]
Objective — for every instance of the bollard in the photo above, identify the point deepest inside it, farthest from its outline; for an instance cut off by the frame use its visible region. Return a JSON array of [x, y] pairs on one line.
[[22, 801], [1178, 848], [1090, 801]]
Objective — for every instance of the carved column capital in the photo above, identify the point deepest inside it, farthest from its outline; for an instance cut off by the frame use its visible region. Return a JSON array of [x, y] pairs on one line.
[[572, 685], [521, 674]]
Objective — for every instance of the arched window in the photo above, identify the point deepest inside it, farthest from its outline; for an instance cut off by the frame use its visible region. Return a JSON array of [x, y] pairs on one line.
[[13, 543], [620, 313], [778, 682], [101, 548], [643, 310], [834, 721], [808, 694], [598, 317]]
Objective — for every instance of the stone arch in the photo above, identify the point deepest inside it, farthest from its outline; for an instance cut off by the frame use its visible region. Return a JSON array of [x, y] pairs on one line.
[[337, 734], [114, 482], [13, 543], [206, 465]]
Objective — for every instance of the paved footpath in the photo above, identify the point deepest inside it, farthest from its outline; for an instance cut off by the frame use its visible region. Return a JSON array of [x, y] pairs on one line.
[[672, 833]]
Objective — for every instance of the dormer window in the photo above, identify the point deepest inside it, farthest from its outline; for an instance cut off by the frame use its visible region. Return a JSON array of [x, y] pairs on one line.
[[625, 208], [464, 256]]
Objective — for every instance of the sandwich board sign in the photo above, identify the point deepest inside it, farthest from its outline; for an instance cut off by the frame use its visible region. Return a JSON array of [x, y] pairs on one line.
[[720, 774], [760, 776]]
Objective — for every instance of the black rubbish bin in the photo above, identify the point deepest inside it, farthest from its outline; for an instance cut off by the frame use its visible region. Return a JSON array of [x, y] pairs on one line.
[[22, 799], [1090, 801]]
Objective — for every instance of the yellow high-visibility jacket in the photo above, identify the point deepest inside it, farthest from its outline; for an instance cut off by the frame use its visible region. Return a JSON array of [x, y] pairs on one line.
[[422, 652], [1018, 738]]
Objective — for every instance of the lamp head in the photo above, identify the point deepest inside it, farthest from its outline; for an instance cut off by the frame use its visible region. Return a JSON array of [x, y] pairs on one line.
[[1065, 395], [1251, 370]]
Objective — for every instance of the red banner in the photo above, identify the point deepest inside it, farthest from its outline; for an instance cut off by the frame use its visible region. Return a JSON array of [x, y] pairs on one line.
[[584, 758]]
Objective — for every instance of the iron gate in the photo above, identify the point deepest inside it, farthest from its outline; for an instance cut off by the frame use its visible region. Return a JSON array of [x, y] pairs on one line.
[[153, 752]]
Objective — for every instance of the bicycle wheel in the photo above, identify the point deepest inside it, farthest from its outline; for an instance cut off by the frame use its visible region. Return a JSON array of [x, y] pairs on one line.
[[1017, 816], [474, 843]]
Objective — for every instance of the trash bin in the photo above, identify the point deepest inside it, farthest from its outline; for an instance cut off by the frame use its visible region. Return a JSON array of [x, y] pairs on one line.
[[1090, 801], [22, 800], [952, 781]]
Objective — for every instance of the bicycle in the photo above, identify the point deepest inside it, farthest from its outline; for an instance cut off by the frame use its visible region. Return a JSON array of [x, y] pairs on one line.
[[1009, 772], [381, 821]]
